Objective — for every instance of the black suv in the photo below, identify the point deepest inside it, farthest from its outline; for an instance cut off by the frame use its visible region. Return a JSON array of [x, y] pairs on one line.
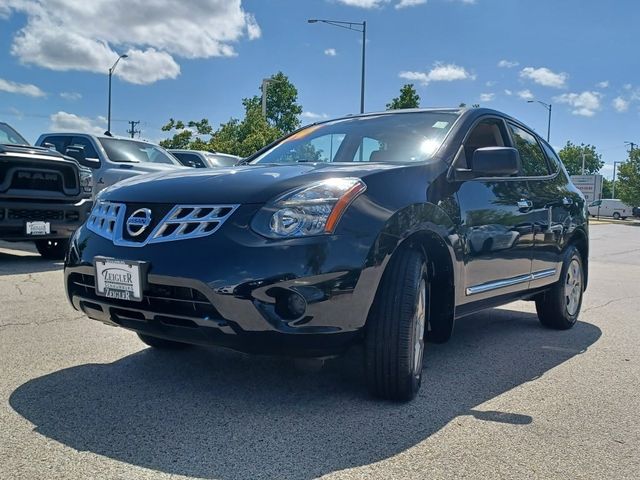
[[380, 229], [44, 196]]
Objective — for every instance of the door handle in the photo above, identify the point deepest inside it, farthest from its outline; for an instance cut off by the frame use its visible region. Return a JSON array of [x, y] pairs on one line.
[[525, 204]]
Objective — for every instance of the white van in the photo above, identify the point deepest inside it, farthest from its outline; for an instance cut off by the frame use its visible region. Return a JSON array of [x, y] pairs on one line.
[[610, 207]]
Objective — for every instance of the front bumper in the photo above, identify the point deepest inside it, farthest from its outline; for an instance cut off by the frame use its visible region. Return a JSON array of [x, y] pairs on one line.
[[224, 289], [64, 218]]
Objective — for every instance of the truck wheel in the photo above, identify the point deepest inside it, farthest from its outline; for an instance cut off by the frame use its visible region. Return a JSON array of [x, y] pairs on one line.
[[394, 344], [616, 216], [559, 307], [52, 249], [161, 343]]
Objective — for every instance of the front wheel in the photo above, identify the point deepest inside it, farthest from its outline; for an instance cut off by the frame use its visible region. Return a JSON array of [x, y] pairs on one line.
[[52, 249], [559, 307], [394, 345], [616, 216]]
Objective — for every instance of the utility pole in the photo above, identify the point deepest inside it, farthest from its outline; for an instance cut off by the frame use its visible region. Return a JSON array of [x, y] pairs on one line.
[[132, 130], [613, 184], [632, 146]]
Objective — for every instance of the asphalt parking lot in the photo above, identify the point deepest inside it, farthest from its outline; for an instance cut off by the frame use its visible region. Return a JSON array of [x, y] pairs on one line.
[[504, 398]]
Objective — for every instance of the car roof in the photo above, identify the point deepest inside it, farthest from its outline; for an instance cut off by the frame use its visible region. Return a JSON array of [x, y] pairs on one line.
[[99, 137]]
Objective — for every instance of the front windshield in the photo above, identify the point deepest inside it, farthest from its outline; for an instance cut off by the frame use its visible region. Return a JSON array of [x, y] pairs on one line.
[[122, 150], [388, 138], [8, 136]]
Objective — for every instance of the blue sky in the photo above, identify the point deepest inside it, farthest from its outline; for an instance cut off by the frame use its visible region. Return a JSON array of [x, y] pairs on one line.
[[190, 60]]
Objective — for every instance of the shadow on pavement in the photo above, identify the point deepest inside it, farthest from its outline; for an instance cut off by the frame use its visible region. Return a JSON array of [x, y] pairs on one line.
[[11, 264], [218, 414]]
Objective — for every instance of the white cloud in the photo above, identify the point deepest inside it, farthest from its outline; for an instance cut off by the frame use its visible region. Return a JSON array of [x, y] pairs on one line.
[[409, 3], [314, 116], [620, 104], [545, 77], [20, 88], [70, 122], [439, 73], [604, 84], [490, 83], [508, 92], [526, 95], [507, 64], [64, 34], [585, 104], [70, 95], [487, 97], [363, 3], [330, 52]]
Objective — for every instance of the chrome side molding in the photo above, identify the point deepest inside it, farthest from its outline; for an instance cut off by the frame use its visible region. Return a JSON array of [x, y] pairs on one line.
[[508, 282]]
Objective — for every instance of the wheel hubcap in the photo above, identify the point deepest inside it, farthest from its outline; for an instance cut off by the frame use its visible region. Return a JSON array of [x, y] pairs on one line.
[[573, 287], [420, 320]]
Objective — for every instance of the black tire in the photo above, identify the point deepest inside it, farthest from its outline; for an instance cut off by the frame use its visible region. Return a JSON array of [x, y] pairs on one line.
[[161, 343], [556, 308], [616, 216], [394, 345], [52, 249]]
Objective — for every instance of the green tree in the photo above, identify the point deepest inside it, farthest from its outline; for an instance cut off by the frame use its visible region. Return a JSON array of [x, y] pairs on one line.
[[408, 98], [607, 191], [571, 156], [283, 110], [188, 135], [628, 179]]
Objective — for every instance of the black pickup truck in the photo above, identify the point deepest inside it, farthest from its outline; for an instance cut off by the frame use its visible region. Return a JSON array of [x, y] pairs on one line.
[[44, 196]]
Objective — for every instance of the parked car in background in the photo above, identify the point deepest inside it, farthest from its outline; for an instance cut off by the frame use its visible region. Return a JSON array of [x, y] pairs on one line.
[[204, 159], [378, 229], [610, 207], [44, 195], [112, 158], [636, 212]]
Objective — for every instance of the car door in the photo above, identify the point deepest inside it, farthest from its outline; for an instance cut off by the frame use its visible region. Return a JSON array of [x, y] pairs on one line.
[[496, 228], [552, 203]]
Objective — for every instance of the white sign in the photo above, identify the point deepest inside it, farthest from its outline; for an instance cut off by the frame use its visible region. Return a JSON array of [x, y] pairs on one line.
[[589, 185], [118, 279]]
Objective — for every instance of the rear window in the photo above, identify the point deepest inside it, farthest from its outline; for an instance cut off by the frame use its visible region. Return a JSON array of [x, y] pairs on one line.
[[121, 150]]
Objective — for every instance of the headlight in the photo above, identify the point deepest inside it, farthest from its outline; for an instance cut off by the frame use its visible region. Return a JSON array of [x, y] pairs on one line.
[[311, 210], [86, 180]]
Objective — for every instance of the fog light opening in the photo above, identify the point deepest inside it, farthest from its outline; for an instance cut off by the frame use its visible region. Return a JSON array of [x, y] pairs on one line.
[[290, 305]]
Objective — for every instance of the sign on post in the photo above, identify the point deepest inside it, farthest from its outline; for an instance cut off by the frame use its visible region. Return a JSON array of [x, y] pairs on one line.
[[589, 185]]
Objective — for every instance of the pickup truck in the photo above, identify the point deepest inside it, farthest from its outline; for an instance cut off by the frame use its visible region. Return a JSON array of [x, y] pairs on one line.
[[44, 195], [110, 158]]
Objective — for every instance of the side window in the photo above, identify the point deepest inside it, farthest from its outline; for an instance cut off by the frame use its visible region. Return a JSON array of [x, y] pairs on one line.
[[487, 133], [89, 149], [59, 142], [189, 159], [325, 147], [554, 160], [534, 163]]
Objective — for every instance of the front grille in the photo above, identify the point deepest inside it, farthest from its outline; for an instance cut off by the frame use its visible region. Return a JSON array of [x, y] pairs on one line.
[[18, 173], [34, 214], [168, 223], [157, 298]]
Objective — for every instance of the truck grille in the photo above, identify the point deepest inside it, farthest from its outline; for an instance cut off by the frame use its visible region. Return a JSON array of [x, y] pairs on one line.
[[34, 214], [18, 173], [167, 223], [157, 298]]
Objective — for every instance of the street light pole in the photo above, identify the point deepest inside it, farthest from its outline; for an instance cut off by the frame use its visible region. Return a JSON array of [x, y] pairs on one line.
[[358, 27], [548, 106], [111, 70]]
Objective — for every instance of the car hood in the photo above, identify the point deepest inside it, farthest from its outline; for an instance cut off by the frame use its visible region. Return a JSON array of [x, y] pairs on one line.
[[148, 167], [30, 150], [243, 184]]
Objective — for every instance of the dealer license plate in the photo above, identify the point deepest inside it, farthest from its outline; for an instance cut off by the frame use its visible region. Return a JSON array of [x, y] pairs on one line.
[[121, 279], [38, 228]]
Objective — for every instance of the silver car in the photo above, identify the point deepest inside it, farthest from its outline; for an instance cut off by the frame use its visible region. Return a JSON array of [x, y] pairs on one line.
[[204, 159], [112, 158]]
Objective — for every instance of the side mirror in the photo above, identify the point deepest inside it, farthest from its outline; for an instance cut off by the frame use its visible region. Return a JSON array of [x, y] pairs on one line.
[[496, 162], [77, 153], [48, 145]]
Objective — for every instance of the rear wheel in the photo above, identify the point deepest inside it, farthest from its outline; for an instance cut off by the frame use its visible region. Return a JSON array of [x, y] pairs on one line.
[[559, 307], [52, 249], [161, 343], [395, 332]]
